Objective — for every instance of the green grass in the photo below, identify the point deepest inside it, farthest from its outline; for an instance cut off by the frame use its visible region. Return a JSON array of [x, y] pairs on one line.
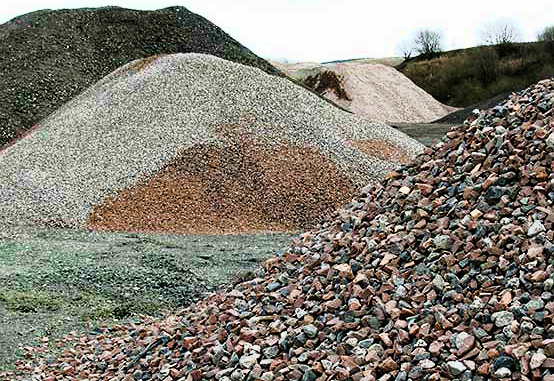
[[464, 77], [31, 301]]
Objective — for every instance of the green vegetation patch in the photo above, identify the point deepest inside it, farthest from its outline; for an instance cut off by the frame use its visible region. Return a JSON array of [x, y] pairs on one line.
[[31, 301], [465, 77], [54, 281]]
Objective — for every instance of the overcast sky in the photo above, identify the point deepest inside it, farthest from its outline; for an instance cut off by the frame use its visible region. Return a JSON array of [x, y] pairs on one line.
[[324, 30]]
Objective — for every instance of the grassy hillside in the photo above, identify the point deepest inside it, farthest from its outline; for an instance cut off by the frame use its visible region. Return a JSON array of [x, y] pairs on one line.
[[466, 77]]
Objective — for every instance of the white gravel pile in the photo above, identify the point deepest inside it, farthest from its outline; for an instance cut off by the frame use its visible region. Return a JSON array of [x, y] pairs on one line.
[[375, 91], [140, 116]]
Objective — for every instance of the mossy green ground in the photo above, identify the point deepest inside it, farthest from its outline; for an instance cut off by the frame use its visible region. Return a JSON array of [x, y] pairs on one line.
[[54, 281]]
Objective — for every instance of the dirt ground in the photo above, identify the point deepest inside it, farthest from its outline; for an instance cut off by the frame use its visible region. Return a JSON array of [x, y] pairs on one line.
[[53, 281], [425, 133]]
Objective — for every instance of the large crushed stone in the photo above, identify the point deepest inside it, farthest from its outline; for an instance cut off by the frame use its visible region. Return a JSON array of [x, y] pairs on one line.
[[123, 130], [47, 57], [372, 90], [441, 272]]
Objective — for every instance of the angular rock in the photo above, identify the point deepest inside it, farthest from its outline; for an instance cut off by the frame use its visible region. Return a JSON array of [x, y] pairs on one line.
[[455, 368]]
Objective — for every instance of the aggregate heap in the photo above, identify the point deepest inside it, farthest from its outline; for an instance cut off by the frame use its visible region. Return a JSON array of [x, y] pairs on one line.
[[375, 91], [48, 57], [443, 271], [192, 143]]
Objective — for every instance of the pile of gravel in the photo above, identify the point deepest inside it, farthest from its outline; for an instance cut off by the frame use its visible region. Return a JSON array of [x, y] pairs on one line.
[[441, 272], [124, 129], [47, 57], [375, 91]]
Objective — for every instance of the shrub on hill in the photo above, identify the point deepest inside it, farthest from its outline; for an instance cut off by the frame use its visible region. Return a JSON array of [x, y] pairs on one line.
[[464, 77]]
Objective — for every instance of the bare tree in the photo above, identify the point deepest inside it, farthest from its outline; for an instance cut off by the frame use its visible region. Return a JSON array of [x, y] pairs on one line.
[[405, 48], [428, 43], [502, 31], [547, 36]]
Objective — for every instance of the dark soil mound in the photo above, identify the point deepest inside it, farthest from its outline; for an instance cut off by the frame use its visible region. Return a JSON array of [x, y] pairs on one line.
[[326, 80], [47, 57], [461, 115]]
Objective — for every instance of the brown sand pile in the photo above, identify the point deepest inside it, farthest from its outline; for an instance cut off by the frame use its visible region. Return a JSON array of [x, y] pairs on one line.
[[241, 186]]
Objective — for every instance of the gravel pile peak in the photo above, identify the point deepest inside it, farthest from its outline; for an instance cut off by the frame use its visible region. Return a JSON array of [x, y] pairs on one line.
[[141, 118], [48, 57], [377, 92], [441, 272]]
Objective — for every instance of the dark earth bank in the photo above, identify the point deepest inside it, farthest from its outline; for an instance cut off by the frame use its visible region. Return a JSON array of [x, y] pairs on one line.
[[426, 133]]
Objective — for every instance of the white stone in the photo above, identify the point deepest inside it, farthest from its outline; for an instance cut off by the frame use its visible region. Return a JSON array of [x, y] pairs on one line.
[[426, 364], [456, 367], [248, 362], [536, 360], [460, 337], [503, 373], [439, 283], [535, 228], [502, 318]]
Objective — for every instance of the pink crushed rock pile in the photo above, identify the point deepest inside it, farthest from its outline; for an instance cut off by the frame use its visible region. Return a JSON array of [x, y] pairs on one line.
[[442, 271]]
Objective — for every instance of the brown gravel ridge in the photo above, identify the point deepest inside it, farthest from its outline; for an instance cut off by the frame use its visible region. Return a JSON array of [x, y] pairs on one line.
[[238, 185]]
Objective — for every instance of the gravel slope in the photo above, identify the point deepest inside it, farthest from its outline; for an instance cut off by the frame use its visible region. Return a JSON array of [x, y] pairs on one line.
[[375, 91], [125, 127], [443, 271], [49, 56]]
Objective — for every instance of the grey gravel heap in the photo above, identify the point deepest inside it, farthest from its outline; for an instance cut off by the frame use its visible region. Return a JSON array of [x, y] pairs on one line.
[[48, 57], [442, 272], [128, 125]]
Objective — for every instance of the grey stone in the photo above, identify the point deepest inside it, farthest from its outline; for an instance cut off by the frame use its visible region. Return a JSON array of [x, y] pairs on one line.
[[377, 348], [270, 352], [502, 318], [309, 375], [310, 330], [535, 304], [438, 283], [550, 140], [402, 376], [248, 362], [443, 242], [273, 286], [237, 375]]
